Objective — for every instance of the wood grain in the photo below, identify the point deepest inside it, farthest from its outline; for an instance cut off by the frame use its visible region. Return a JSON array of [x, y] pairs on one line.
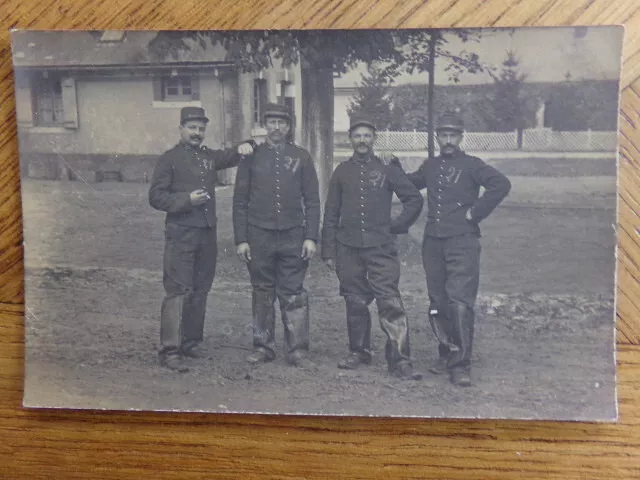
[[53, 444]]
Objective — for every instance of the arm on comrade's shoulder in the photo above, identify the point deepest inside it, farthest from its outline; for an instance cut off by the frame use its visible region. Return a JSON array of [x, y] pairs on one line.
[[311, 198], [419, 177], [410, 197], [160, 195], [388, 158], [496, 185], [230, 157]]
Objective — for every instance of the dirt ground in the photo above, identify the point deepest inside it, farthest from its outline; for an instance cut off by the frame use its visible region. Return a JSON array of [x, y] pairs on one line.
[[544, 341]]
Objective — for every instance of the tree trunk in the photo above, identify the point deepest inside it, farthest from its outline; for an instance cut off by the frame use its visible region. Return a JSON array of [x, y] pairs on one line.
[[317, 121], [430, 92]]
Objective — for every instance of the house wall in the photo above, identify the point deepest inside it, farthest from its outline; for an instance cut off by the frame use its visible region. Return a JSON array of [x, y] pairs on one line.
[[120, 127], [341, 101], [119, 116]]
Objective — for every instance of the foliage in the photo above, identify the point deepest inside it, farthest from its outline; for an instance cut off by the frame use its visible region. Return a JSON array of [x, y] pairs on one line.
[[508, 107], [372, 98]]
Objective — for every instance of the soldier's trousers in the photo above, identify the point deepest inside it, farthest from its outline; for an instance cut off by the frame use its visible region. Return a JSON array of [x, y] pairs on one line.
[[189, 266], [452, 267], [365, 274], [277, 270]]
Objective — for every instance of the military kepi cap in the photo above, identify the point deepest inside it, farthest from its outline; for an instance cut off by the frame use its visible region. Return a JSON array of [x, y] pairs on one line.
[[192, 113], [360, 121], [450, 121], [277, 110]]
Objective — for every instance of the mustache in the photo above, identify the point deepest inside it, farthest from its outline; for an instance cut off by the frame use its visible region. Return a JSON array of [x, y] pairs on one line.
[[195, 137]]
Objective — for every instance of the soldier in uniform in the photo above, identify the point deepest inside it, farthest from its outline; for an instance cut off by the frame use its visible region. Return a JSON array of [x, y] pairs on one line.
[[358, 241], [451, 246], [183, 186], [276, 216]]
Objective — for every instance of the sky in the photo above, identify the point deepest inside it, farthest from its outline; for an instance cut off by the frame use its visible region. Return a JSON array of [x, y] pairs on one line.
[[545, 54]]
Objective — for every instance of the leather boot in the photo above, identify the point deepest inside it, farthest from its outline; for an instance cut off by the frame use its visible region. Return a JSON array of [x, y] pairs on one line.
[[394, 323], [439, 366], [193, 349], [441, 326], [171, 328], [462, 320], [359, 331], [173, 361], [263, 327], [295, 318]]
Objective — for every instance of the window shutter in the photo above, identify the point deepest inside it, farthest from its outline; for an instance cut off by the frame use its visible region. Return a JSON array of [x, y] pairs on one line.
[[24, 100], [195, 87], [69, 102], [157, 89]]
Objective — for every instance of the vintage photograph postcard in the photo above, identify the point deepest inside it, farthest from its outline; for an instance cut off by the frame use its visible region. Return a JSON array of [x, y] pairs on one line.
[[410, 223]]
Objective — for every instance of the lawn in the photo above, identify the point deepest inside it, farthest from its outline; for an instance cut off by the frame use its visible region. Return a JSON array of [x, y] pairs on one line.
[[544, 344]]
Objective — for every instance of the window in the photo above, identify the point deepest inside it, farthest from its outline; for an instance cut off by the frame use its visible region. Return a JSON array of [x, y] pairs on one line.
[[259, 99], [176, 88], [52, 102], [48, 103], [287, 95]]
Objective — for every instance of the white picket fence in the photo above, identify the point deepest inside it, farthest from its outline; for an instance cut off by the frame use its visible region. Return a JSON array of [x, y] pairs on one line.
[[538, 139]]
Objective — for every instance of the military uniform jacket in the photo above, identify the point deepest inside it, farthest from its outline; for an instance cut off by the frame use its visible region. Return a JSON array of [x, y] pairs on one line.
[[453, 186], [358, 206], [182, 170], [276, 189]]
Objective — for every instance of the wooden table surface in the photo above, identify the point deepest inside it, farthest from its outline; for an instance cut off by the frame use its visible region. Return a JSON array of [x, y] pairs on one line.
[[66, 444]]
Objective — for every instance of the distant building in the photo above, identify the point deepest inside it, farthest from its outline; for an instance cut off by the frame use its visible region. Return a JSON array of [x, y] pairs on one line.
[[95, 105]]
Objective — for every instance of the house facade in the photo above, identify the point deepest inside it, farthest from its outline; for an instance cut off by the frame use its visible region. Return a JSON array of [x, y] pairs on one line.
[[95, 105]]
